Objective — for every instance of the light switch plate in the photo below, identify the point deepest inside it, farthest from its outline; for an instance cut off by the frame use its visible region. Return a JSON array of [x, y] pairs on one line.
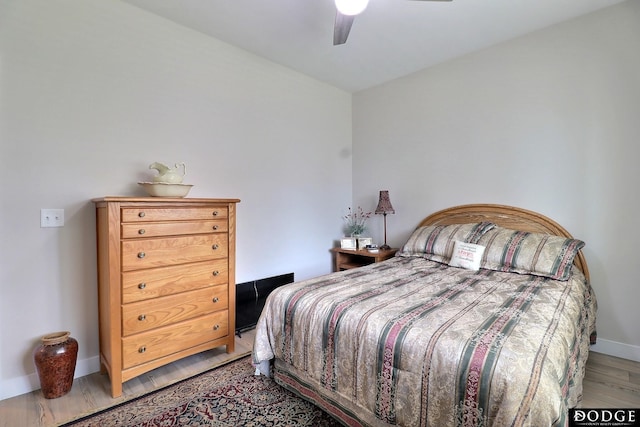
[[51, 218]]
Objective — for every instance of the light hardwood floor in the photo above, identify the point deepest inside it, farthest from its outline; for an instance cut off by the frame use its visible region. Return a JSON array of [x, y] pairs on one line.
[[610, 382], [93, 392]]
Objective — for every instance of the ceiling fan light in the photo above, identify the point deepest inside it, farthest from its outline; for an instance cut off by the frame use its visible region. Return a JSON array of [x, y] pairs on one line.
[[351, 7]]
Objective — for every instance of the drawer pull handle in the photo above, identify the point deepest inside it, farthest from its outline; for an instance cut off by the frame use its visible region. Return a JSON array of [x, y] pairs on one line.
[[216, 327], [216, 299], [215, 213], [142, 285], [141, 255], [142, 317], [141, 231], [141, 214], [214, 247], [215, 227], [142, 349], [216, 272]]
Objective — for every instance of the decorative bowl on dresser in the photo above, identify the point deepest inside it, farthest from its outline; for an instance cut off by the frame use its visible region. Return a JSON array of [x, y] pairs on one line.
[[164, 189], [166, 281]]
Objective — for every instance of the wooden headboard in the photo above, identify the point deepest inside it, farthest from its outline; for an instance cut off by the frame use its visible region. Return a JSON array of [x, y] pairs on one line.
[[507, 217]]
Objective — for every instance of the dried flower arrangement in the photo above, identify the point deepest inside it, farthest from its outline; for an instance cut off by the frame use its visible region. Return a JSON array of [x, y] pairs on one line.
[[356, 221]]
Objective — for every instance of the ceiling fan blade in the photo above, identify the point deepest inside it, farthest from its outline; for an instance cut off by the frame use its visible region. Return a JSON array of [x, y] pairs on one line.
[[342, 28]]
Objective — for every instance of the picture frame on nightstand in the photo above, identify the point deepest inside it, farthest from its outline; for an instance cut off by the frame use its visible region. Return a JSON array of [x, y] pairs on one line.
[[363, 242], [348, 243]]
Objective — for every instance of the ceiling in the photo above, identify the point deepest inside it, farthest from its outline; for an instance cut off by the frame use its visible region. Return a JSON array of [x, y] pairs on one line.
[[390, 39]]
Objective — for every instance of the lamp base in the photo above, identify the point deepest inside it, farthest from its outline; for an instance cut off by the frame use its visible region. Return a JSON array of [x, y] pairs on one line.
[[385, 247]]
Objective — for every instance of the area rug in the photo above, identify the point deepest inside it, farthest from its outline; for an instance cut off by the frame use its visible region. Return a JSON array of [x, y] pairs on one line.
[[230, 395]]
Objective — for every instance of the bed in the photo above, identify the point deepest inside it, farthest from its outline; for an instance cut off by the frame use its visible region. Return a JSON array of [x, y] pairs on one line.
[[483, 318]]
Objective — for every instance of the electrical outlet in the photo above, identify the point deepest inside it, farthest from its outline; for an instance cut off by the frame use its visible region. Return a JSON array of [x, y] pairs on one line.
[[51, 218]]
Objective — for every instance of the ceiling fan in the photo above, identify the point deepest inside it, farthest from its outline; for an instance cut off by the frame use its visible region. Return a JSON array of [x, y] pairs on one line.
[[346, 11]]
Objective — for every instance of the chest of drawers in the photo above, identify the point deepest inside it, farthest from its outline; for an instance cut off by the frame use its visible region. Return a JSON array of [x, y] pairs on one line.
[[166, 281]]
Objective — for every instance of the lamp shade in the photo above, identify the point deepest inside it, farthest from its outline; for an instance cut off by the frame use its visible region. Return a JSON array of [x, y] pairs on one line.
[[351, 7], [384, 204]]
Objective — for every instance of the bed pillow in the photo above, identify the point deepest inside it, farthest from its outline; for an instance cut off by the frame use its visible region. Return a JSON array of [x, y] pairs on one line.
[[466, 255], [435, 242], [529, 253]]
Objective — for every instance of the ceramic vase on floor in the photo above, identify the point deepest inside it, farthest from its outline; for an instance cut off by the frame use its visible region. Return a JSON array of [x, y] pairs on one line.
[[55, 360]]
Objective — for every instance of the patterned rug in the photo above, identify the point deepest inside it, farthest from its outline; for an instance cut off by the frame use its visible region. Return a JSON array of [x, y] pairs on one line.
[[230, 395]]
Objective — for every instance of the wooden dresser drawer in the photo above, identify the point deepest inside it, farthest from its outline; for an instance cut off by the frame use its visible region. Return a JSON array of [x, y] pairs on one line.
[[146, 346], [146, 214], [154, 229], [158, 252], [140, 285], [145, 315], [166, 281]]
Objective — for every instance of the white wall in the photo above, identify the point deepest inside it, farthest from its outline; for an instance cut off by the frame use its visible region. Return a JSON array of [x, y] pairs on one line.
[[93, 92], [548, 122]]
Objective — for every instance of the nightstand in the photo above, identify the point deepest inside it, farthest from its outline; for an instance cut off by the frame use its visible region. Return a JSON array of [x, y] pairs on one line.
[[344, 259]]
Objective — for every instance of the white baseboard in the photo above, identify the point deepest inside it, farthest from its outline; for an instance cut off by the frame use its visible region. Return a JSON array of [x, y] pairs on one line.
[[29, 383], [617, 349]]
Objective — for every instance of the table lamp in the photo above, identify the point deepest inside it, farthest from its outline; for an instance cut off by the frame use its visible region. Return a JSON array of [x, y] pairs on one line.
[[384, 208]]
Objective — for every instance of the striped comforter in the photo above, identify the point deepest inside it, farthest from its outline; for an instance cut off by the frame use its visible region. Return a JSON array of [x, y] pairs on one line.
[[413, 342]]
